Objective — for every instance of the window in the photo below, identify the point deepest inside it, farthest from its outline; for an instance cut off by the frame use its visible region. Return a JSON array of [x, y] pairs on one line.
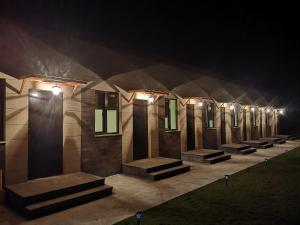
[[235, 116], [210, 115], [171, 114], [107, 113]]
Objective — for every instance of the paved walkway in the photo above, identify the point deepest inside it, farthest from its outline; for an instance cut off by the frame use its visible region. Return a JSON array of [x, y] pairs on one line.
[[132, 194]]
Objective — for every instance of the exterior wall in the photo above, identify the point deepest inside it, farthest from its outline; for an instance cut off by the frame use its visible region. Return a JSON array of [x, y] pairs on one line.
[[264, 126], [153, 136], [16, 131], [169, 141], [183, 121], [101, 154]]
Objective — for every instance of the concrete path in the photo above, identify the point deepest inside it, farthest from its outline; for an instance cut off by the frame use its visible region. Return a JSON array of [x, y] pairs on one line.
[[132, 194]]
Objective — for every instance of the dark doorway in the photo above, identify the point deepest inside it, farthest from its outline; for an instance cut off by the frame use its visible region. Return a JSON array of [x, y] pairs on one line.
[[190, 127], [223, 124], [2, 108], [244, 125], [260, 124], [45, 132], [140, 129]]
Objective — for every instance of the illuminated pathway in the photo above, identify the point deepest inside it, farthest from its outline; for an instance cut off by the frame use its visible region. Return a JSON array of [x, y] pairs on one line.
[[132, 194]]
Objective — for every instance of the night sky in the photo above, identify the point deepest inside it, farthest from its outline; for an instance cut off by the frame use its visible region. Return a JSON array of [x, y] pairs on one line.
[[250, 42]]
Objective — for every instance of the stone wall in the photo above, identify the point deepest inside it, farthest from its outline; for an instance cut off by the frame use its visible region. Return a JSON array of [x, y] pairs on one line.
[[101, 154]]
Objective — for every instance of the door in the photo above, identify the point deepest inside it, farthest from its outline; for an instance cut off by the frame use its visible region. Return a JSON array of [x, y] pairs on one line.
[[190, 127], [140, 129], [244, 125], [223, 126], [45, 132]]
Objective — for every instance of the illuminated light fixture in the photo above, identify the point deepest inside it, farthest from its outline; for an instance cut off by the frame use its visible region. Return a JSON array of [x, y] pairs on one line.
[[252, 109], [200, 104], [268, 110], [34, 94], [144, 96], [246, 107], [231, 107], [281, 111], [150, 99], [56, 90]]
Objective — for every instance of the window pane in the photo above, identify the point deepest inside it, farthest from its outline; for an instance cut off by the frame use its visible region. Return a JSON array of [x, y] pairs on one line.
[[173, 114], [166, 123], [112, 101], [112, 121], [210, 115], [98, 120]]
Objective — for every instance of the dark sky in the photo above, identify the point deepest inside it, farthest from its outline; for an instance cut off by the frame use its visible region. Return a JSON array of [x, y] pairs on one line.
[[251, 42]]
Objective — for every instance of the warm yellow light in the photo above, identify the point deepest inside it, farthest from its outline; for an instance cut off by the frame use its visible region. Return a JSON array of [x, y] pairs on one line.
[[246, 107], [231, 107], [144, 96], [281, 111], [200, 104], [268, 110], [252, 109]]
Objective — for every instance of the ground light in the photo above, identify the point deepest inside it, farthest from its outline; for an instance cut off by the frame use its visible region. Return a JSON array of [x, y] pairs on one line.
[[138, 216], [226, 178]]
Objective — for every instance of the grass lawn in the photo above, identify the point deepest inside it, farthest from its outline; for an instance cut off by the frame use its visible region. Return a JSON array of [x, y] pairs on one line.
[[259, 195]]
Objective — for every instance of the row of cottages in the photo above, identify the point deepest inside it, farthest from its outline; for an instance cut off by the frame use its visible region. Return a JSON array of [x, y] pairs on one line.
[[130, 123], [96, 126]]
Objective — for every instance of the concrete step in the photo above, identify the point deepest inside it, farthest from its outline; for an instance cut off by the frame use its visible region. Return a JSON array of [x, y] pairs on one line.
[[234, 147], [200, 155], [268, 145], [247, 151], [60, 203], [281, 141], [169, 172], [38, 190], [219, 158]]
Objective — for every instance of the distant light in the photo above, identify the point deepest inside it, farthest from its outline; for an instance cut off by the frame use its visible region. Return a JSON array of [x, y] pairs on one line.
[[281, 112], [200, 104], [150, 99], [34, 94], [252, 109], [268, 110], [231, 107], [56, 90]]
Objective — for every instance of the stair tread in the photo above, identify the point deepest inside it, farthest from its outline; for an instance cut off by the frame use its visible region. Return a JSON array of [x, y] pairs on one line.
[[52, 184], [66, 197], [219, 156], [168, 170]]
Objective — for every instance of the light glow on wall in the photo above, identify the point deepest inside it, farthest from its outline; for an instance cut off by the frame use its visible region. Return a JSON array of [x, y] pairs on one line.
[[252, 109], [145, 96], [200, 104], [231, 107], [281, 111]]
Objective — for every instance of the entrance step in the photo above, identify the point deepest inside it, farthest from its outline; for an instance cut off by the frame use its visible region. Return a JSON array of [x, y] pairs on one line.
[[258, 143], [218, 159], [238, 148], [273, 140], [60, 203], [173, 171], [25, 196], [205, 155], [155, 168], [248, 151], [285, 136]]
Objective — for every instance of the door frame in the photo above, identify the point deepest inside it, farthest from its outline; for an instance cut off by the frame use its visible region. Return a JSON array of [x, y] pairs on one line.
[[190, 139], [29, 131]]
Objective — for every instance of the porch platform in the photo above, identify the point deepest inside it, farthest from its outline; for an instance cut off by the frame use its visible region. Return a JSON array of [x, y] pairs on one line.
[[43, 196], [238, 148], [258, 143], [155, 168], [205, 155], [273, 140], [285, 136]]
